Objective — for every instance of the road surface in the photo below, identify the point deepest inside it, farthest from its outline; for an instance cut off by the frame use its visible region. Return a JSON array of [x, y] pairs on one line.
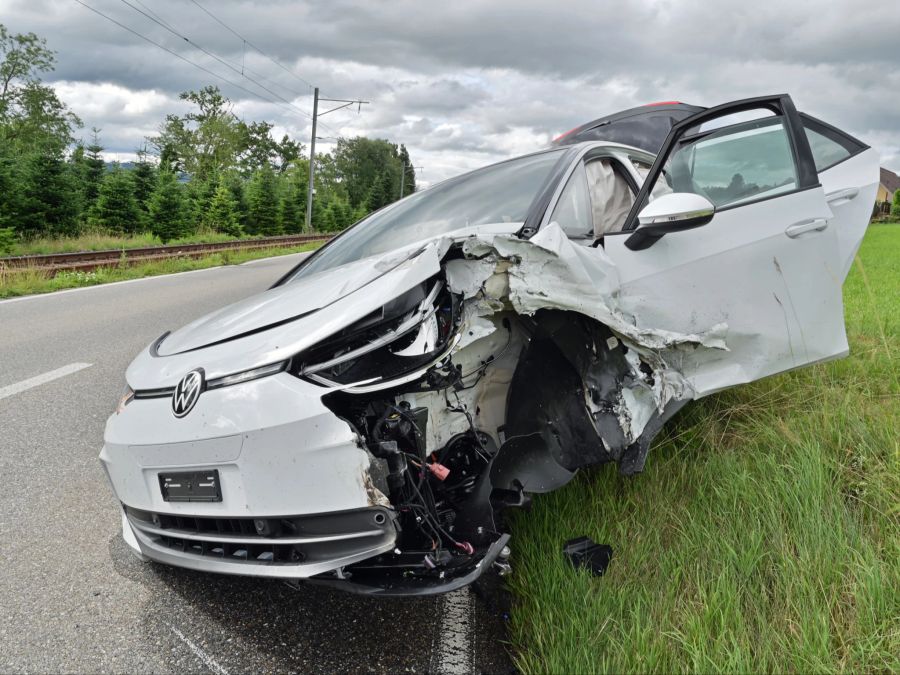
[[73, 598]]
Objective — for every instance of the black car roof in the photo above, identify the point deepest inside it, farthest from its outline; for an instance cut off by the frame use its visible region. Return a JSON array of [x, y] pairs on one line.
[[644, 127]]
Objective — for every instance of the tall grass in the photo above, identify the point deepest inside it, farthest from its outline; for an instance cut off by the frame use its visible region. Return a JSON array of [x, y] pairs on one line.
[[764, 534], [101, 241]]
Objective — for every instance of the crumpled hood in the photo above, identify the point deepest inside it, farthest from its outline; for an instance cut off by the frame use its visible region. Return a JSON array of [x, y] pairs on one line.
[[279, 305], [298, 299]]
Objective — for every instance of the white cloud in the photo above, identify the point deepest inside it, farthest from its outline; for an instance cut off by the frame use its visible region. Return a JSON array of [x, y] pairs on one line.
[[465, 83]]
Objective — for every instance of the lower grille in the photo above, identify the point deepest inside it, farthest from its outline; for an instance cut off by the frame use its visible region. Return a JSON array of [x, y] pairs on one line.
[[289, 540]]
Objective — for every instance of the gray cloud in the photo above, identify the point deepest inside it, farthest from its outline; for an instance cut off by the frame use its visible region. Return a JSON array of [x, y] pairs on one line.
[[464, 83]]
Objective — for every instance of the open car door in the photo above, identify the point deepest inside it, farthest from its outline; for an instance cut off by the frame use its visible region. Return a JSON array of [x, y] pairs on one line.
[[764, 271]]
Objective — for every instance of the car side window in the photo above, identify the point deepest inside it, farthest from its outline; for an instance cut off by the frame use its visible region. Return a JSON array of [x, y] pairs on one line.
[[595, 201], [573, 210], [733, 164]]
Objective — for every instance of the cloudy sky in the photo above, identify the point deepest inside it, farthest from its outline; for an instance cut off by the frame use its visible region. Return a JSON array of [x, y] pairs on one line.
[[468, 82]]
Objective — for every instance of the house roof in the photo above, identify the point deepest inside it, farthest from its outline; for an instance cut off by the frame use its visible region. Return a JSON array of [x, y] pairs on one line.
[[890, 180]]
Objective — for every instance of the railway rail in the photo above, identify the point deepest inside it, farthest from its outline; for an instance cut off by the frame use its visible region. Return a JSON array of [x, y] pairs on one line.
[[90, 260]]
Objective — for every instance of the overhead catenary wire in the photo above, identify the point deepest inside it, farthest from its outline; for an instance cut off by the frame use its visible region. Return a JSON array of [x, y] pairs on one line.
[[212, 55], [258, 75], [177, 55], [253, 46]]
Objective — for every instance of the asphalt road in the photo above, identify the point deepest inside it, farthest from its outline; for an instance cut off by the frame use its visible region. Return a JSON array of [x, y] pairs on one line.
[[73, 598]]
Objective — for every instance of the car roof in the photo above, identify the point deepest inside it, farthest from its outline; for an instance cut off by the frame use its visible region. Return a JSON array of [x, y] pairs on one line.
[[644, 127]]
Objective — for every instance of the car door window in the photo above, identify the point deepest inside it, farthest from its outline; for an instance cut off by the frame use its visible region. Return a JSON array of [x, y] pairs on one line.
[[595, 201], [611, 196], [829, 145], [573, 210], [734, 164]]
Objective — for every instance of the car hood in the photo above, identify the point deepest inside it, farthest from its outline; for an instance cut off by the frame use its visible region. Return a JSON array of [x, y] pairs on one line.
[[302, 298]]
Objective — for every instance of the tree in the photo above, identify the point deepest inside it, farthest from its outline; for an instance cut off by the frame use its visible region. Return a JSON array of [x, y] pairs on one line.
[[258, 148], [167, 208], [409, 183], [93, 168], [116, 209], [895, 206], [205, 141], [49, 203], [143, 177], [289, 215], [10, 186], [381, 192], [360, 162], [262, 203], [287, 152], [32, 118], [221, 215]]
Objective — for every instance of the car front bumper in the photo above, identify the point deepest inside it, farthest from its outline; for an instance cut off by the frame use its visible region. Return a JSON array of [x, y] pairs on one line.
[[297, 492]]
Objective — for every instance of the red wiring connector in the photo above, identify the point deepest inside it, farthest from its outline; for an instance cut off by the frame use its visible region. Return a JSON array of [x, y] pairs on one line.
[[466, 547], [439, 470]]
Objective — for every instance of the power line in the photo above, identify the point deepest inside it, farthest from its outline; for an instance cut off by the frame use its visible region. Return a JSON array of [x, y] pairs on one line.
[[176, 54], [177, 34], [246, 41]]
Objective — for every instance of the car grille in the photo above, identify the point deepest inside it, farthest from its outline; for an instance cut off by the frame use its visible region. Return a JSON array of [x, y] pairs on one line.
[[289, 540]]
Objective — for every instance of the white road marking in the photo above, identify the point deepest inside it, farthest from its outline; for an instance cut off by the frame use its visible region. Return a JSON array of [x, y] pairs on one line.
[[454, 653], [38, 380], [208, 661], [54, 294]]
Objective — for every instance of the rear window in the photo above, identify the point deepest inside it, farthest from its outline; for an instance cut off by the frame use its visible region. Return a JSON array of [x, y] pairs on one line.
[[829, 145]]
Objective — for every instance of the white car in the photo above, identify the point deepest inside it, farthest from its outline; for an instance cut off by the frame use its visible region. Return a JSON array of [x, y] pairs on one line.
[[365, 422]]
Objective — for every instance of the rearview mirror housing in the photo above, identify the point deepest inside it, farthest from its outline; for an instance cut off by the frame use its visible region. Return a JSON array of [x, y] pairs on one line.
[[669, 213]]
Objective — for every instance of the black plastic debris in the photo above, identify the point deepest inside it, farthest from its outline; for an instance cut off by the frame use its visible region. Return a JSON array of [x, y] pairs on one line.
[[582, 552]]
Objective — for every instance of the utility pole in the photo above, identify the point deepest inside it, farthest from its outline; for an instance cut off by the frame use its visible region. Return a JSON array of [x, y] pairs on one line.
[[312, 161], [312, 145], [406, 168]]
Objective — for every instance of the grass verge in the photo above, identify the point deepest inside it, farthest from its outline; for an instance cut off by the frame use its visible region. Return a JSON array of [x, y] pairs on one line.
[[16, 282], [106, 242], [764, 534]]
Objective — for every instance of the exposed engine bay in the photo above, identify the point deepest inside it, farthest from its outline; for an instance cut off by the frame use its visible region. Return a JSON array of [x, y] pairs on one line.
[[466, 406]]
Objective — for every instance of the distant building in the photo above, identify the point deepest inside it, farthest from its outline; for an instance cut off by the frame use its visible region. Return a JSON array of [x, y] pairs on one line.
[[888, 184]]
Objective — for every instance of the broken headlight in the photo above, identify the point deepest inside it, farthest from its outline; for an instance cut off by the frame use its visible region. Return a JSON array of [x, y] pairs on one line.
[[399, 338]]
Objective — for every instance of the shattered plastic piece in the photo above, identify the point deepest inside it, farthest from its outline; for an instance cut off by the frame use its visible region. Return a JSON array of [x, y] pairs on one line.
[[584, 553]]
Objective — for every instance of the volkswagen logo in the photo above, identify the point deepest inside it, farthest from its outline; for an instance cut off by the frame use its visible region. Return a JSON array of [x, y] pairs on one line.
[[187, 392]]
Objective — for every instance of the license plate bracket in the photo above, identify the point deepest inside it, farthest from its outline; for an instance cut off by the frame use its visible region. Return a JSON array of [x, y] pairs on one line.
[[191, 486]]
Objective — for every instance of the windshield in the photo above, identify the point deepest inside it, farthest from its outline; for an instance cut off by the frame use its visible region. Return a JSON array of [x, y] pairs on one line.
[[500, 193]]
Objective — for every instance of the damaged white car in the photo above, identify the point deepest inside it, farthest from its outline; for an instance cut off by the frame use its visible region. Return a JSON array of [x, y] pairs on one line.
[[365, 422]]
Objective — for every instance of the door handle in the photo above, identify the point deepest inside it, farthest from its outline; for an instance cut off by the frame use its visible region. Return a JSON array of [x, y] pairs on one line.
[[804, 226], [846, 194]]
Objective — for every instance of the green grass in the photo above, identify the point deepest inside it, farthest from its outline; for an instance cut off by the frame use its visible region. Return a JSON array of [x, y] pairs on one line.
[[764, 534], [16, 282], [100, 241]]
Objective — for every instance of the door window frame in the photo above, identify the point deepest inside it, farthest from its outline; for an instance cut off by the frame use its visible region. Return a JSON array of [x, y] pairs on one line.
[[781, 105], [621, 156]]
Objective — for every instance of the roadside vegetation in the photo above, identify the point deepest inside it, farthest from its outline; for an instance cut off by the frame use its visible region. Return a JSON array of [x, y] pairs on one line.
[[18, 282], [206, 172], [762, 536], [107, 242]]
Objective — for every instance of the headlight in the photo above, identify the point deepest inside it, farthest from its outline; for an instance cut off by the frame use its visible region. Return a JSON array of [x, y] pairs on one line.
[[404, 335], [126, 398], [247, 375]]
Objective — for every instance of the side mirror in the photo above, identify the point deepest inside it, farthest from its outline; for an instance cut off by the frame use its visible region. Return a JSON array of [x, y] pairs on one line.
[[673, 212]]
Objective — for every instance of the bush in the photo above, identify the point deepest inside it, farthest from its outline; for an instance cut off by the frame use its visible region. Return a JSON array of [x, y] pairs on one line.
[[7, 239]]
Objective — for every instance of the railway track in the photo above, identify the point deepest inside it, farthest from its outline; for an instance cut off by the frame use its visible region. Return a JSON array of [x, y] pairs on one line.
[[90, 260]]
